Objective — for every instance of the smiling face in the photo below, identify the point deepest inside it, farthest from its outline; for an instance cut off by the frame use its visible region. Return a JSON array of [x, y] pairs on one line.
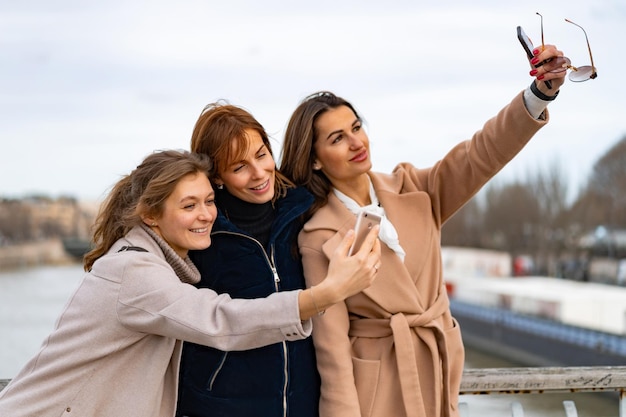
[[341, 147], [252, 178], [188, 215]]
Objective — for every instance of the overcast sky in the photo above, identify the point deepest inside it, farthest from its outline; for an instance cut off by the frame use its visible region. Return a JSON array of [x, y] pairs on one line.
[[87, 89]]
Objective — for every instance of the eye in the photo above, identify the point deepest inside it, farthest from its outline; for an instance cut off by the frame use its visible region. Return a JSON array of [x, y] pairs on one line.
[[337, 138], [209, 201], [238, 168], [189, 206], [357, 127]]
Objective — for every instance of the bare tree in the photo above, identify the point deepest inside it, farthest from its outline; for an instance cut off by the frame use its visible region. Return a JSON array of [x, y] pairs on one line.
[[608, 185], [465, 228]]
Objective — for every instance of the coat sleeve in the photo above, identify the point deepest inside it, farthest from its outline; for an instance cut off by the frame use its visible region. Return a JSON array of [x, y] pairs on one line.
[[153, 300], [462, 172], [332, 344]]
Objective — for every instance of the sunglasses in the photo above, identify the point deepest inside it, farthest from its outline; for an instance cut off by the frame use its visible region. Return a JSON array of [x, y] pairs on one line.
[[577, 74]]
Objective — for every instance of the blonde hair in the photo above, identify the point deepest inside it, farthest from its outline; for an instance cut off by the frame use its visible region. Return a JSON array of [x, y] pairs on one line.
[[142, 192]]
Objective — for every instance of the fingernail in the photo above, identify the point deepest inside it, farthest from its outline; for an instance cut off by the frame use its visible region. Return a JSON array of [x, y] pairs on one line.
[[540, 77], [534, 61], [533, 72], [536, 51]]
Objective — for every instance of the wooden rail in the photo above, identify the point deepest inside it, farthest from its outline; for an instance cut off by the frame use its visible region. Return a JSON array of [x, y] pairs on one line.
[[533, 380], [544, 381]]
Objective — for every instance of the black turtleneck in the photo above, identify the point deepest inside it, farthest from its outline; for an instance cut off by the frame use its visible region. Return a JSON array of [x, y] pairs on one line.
[[253, 218]]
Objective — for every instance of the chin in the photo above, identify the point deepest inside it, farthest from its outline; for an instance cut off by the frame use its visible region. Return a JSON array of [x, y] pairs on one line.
[[202, 245]]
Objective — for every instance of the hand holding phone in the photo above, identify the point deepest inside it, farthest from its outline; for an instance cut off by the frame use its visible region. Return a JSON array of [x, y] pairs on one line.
[[528, 47], [365, 221]]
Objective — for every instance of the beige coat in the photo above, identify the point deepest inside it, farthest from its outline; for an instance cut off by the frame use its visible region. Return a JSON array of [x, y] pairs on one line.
[[394, 349], [116, 347]]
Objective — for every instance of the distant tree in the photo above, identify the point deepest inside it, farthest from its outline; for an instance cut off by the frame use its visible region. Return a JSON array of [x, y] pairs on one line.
[[608, 183], [465, 228], [511, 217], [603, 201]]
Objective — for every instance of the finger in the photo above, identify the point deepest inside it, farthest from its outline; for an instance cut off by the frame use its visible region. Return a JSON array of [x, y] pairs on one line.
[[346, 242], [370, 240], [374, 255]]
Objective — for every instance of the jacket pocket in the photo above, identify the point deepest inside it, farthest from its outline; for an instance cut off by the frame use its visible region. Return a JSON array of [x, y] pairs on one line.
[[366, 375], [456, 356], [216, 372]]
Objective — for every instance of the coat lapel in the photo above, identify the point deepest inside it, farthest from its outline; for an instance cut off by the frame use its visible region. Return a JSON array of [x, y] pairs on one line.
[[397, 276]]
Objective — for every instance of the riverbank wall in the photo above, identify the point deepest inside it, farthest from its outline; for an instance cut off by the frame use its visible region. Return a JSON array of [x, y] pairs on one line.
[[45, 252]]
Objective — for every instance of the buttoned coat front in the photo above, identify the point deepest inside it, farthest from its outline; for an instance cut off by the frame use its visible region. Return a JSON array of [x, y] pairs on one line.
[[116, 347], [394, 349]]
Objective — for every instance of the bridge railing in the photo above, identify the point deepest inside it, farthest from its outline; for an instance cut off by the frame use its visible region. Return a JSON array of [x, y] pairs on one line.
[[546, 380], [536, 380]]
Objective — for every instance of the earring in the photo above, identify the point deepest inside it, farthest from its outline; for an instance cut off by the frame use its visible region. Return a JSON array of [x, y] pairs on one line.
[[153, 224], [220, 186]]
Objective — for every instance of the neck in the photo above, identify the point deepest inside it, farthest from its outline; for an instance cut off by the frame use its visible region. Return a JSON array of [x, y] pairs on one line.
[[256, 219], [357, 189]]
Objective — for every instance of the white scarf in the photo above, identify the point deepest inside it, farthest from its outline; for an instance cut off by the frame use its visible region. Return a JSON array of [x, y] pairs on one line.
[[387, 232]]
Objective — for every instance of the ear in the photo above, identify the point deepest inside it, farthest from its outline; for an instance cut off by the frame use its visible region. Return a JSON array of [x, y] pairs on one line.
[[150, 221], [218, 183]]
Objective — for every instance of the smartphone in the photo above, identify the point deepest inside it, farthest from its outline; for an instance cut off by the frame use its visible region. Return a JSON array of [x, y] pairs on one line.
[[528, 47], [364, 223]]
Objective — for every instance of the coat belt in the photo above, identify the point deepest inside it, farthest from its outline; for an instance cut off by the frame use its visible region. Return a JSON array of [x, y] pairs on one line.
[[399, 326]]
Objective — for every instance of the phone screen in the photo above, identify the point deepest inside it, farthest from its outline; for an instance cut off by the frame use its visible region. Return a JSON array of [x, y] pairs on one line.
[[525, 41], [528, 47]]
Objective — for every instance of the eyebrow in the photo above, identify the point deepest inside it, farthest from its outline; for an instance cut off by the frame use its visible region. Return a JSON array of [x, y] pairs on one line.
[[357, 120], [260, 147], [191, 197], [243, 160]]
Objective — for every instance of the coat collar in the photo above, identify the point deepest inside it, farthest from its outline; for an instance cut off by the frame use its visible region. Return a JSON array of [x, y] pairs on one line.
[[288, 208], [335, 216]]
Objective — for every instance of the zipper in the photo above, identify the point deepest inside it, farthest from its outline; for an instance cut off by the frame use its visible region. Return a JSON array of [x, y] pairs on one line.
[[272, 264], [217, 371], [284, 343], [286, 374], [270, 261]]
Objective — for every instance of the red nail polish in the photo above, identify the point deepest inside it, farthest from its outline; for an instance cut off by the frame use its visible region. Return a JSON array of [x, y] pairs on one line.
[[533, 72], [536, 51], [540, 77], [534, 61]]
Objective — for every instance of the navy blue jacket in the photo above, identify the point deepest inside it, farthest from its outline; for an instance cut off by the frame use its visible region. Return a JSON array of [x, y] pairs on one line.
[[279, 380]]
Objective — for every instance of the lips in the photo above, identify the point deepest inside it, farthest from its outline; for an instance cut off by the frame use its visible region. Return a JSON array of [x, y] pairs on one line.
[[261, 187], [201, 230], [360, 157]]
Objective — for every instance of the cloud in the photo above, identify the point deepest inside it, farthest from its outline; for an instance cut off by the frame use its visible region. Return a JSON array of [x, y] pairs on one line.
[[88, 89]]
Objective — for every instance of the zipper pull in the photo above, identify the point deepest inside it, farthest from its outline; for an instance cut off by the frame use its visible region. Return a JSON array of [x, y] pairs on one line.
[[273, 265]]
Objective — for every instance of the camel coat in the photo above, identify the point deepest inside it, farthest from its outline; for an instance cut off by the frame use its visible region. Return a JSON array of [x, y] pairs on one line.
[[115, 351], [394, 349]]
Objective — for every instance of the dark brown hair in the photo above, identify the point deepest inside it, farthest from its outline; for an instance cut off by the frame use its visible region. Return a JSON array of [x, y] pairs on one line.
[[142, 192], [222, 125], [298, 154]]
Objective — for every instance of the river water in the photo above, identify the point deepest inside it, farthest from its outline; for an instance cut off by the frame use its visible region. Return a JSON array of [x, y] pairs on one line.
[[31, 299]]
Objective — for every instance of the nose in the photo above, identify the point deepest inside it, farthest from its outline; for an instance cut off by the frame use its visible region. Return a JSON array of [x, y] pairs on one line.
[[257, 170], [355, 142], [208, 212]]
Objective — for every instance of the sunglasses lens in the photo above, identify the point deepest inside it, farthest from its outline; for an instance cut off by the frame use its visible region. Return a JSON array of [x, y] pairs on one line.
[[583, 74], [558, 64]]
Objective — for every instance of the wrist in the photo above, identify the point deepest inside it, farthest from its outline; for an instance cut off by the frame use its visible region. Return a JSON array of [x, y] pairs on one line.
[[540, 94], [319, 310], [324, 295]]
